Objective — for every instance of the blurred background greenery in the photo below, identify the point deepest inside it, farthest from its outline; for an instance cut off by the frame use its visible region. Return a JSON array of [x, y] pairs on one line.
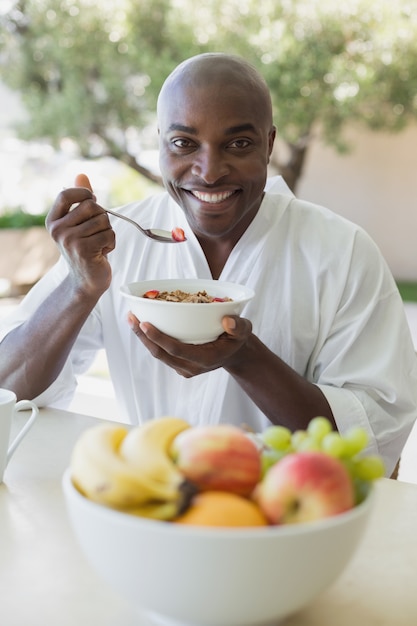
[[408, 290]]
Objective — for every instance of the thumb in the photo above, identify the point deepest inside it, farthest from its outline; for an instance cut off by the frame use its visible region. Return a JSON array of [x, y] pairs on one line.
[[81, 180], [229, 324], [237, 327]]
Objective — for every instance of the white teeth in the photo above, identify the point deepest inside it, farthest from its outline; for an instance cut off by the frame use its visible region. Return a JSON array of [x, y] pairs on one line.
[[212, 198]]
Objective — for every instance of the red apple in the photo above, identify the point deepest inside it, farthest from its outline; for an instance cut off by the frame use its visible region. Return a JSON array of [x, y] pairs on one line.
[[305, 486], [219, 457]]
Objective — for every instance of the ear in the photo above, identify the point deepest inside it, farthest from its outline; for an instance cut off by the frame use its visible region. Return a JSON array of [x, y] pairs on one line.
[[271, 140]]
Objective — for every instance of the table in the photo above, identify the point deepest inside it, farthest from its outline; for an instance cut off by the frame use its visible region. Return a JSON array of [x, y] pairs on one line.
[[45, 581]]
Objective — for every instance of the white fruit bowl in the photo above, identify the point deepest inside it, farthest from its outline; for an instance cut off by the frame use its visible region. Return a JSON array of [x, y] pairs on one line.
[[189, 322], [194, 576]]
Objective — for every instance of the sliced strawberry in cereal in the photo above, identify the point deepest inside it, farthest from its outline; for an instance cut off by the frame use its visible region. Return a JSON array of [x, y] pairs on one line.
[[178, 234], [152, 294]]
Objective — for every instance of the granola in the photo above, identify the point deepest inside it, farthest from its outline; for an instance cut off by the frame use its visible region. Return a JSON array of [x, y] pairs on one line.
[[182, 296]]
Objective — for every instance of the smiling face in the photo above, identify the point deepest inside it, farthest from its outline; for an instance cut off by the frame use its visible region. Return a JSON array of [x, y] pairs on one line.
[[216, 136]]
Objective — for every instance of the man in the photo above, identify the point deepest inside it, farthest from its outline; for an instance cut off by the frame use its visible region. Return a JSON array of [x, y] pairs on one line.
[[325, 335]]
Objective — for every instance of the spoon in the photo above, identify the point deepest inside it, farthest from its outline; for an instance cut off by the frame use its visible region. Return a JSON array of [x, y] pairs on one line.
[[165, 236], [175, 236]]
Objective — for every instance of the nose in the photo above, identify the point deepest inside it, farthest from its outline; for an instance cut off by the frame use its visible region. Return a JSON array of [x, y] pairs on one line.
[[210, 165]]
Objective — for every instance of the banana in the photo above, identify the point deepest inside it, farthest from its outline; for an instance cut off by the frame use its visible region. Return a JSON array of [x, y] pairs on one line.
[[164, 511], [131, 470], [101, 474], [146, 449]]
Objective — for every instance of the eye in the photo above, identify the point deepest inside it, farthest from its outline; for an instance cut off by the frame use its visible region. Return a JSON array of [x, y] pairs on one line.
[[240, 144], [181, 143]]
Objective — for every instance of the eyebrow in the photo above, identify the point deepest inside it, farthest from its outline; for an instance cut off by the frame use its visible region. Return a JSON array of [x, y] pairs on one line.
[[229, 131], [183, 129], [240, 129]]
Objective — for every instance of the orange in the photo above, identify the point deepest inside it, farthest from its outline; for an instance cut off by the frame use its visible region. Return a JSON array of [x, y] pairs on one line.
[[222, 508]]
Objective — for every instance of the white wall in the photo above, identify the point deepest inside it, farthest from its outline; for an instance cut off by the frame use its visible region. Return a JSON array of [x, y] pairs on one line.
[[375, 185]]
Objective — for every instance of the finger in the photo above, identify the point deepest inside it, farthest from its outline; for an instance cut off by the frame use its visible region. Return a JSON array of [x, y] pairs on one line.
[[133, 322], [157, 343], [82, 180], [144, 332], [160, 341], [66, 199], [237, 327], [141, 329]]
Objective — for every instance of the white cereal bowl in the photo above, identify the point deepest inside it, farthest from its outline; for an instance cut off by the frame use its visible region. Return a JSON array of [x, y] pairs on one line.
[[194, 576], [189, 322]]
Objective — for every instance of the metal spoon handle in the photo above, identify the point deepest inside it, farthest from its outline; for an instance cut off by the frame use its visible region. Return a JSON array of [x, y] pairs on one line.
[[127, 219], [153, 233]]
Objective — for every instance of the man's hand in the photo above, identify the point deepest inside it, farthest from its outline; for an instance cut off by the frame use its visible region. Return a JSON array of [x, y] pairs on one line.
[[82, 231], [190, 360], [281, 394]]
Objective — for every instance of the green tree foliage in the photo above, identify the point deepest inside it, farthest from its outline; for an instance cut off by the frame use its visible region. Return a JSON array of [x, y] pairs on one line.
[[91, 69]]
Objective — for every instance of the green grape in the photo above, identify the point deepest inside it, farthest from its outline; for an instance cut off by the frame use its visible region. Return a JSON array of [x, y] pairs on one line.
[[333, 444], [269, 457], [318, 428], [356, 440], [369, 468], [350, 466], [277, 437], [308, 445], [297, 437], [361, 490]]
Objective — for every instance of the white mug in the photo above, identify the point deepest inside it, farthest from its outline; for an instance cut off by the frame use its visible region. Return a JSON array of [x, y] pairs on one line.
[[8, 409]]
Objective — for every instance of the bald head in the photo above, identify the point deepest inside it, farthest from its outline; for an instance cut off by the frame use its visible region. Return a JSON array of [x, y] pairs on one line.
[[218, 69]]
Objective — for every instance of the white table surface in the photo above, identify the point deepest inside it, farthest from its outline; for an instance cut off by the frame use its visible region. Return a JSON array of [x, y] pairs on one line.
[[45, 581]]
